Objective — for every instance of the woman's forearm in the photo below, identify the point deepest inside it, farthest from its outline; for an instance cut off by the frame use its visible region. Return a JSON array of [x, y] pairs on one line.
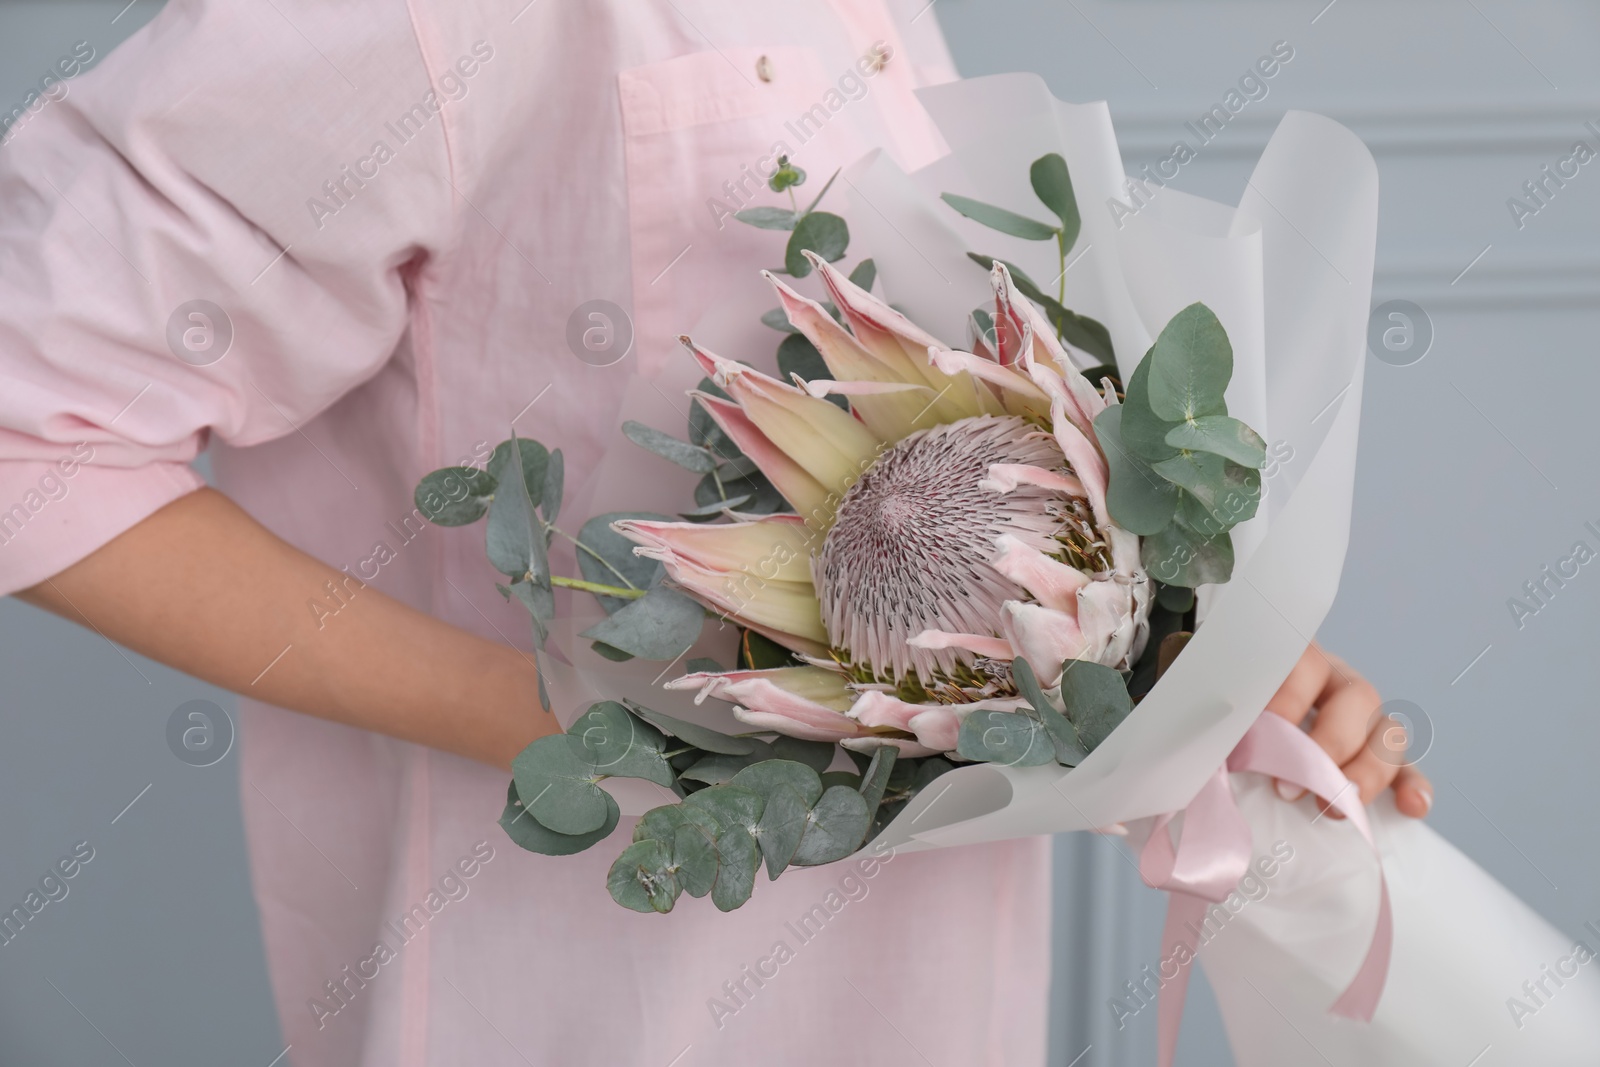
[[204, 588]]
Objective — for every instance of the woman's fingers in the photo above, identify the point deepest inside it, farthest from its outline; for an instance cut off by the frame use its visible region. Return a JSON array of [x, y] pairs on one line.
[[1298, 694], [1379, 761], [1346, 710], [1413, 793], [1369, 747]]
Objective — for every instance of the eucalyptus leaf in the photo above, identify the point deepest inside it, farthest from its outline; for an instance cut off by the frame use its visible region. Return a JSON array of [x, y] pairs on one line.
[[555, 478], [715, 511], [1028, 686], [1096, 698], [538, 599], [1191, 363], [1018, 275], [662, 823], [734, 807], [783, 822], [998, 218], [983, 326], [1228, 494], [876, 777], [1178, 556], [454, 496], [702, 665], [864, 274], [719, 768], [738, 467], [701, 737], [768, 218], [758, 496], [689, 457], [1004, 737], [659, 625], [621, 744], [607, 557], [642, 878], [738, 857], [535, 459], [514, 538], [821, 233], [1090, 335], [1064, 740], [778, 319], [1139, 500], [1142, 431], [928, 770], [817, 755], [841, 779], [557, 779], [1223, 436], [797, 355], [1053, 185], [527, 832], [695, 859], [770, 774], [615, 655], [835, 828]]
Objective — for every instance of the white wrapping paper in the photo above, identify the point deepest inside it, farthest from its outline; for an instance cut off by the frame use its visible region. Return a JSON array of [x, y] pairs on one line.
[[1289, 274]]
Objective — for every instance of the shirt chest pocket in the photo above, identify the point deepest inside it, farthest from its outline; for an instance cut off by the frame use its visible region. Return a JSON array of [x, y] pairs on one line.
[[702, 133]]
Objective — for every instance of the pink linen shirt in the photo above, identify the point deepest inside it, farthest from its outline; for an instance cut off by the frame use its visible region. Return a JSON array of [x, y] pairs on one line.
[[339, 243]]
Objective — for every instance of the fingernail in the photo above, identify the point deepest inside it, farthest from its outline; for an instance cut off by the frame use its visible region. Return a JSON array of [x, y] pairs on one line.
[[1116, 829], [1289, 791], [1427, 798]]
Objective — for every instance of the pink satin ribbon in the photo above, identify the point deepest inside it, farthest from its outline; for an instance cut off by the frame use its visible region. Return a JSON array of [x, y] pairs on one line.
[[1214, 853]]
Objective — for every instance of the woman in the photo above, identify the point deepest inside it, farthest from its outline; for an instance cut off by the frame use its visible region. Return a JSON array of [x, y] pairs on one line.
[[343, 244]]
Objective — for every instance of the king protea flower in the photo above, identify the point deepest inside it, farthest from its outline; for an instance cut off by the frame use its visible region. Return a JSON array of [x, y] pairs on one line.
[[953, 520]]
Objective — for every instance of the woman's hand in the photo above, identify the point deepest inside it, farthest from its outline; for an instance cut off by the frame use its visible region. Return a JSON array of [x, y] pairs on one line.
[[1369, 747]]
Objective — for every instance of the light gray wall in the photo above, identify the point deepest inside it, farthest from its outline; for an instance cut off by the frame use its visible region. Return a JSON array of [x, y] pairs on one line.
[[1477, 471]]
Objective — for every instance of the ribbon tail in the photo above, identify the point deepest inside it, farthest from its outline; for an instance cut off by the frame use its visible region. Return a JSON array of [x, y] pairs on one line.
[[1183, 911], [1361, 996]]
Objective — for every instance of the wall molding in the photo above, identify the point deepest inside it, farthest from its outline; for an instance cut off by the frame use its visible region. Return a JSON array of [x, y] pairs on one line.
[[1505, 277], [1465, 128]]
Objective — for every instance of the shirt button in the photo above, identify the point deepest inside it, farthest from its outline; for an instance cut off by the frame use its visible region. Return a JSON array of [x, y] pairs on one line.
[[764, 69]]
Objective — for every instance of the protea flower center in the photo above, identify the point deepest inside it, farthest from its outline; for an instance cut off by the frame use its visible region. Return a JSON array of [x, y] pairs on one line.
[[913, 545]]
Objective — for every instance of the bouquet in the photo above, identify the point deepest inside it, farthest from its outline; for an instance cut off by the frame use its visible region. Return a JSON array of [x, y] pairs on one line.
[[996, 567]]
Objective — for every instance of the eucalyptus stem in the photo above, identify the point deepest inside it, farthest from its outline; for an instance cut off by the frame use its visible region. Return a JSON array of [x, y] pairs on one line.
[[1061, 261], [603, 561], [598, 588]]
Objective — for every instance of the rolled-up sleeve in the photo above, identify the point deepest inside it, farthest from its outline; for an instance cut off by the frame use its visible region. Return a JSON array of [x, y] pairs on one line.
[[212, 232]]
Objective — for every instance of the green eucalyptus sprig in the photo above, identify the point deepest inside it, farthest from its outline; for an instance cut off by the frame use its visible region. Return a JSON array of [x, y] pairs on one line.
[[1052, 184], [744, 801], [520, 493], [820, 232], [1183, 472]]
